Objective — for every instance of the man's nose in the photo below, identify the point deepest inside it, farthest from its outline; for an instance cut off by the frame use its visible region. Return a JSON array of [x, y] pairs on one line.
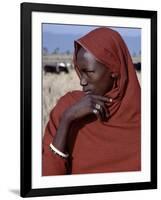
[[83, 81]]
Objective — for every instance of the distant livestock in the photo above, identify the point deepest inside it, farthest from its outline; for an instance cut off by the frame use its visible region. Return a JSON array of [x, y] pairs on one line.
[[61, 67], [137, 66], [57, 68]]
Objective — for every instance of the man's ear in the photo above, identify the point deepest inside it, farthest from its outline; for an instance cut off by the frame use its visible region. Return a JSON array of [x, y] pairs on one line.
[[114, 74]]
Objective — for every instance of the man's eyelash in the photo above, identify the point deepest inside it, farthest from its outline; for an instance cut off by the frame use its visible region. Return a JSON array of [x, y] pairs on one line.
[[89, 71]]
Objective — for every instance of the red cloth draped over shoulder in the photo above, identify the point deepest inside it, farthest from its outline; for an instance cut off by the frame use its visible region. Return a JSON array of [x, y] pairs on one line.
[[112, 146]]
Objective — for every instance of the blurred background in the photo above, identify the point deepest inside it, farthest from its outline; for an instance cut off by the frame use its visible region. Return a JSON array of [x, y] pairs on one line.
[[58, 72]]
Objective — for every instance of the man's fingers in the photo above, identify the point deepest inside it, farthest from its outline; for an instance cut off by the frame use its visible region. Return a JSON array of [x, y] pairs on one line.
[[98, 114], [103, 112], [102, 98]]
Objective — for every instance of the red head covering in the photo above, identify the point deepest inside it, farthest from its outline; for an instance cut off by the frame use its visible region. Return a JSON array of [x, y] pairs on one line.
[[109, 48]]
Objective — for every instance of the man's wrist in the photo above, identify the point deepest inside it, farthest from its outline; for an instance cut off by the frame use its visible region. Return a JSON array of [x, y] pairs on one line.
[[67, 118]]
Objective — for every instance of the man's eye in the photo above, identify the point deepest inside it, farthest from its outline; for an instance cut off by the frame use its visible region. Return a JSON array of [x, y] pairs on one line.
[[90, 71]]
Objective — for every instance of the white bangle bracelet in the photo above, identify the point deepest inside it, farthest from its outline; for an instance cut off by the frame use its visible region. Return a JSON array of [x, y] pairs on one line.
[[56, 151]]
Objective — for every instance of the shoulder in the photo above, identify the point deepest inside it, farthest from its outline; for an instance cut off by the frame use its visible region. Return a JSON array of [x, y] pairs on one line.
[[70, 97], [65, 102]]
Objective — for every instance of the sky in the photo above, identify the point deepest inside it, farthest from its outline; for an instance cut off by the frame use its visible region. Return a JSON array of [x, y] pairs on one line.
[[62, 36], [77, 29]]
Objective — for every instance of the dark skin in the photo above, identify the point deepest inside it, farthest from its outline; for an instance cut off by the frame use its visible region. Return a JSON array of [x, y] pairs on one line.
[[96, 80]]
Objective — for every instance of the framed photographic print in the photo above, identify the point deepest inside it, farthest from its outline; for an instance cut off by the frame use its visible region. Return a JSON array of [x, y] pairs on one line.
[[88, 99]]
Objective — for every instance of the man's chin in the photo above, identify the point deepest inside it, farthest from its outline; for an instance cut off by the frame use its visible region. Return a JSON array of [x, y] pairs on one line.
[[88, 92]]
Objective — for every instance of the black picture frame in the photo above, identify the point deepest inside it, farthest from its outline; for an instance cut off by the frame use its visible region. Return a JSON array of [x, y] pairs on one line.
[[26, 100]]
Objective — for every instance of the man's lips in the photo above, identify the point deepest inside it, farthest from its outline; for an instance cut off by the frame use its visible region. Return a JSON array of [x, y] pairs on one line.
[[87, 91]]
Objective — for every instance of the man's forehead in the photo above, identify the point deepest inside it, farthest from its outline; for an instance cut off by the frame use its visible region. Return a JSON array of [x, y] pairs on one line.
[[85, 58], [83, 54]]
